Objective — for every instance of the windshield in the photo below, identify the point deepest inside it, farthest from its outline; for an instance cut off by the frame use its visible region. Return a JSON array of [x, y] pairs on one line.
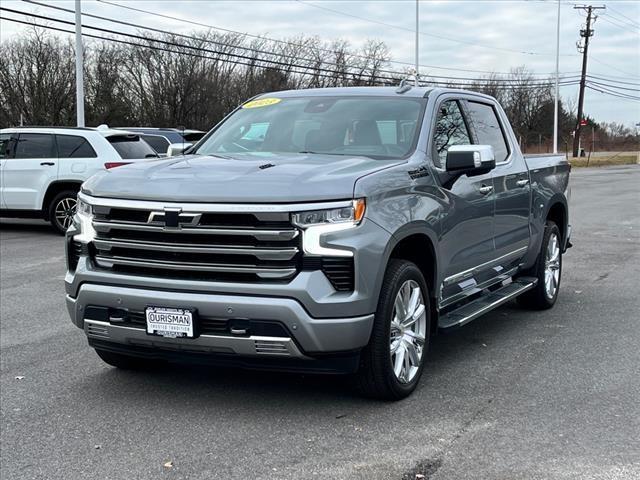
[[375, 127]]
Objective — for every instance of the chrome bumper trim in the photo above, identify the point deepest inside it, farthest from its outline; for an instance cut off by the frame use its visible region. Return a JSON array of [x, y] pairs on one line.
[[247, 346]]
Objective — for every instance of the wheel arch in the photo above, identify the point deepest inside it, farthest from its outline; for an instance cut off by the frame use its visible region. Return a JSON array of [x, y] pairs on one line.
[[557, 212], [54, 189], [417, 243]]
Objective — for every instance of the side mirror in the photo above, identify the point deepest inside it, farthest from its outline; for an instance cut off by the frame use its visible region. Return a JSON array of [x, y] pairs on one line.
[[177, 149], [470, 159]]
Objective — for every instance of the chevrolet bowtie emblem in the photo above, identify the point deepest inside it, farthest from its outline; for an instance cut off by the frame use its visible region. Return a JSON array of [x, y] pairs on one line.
[[174, 218]]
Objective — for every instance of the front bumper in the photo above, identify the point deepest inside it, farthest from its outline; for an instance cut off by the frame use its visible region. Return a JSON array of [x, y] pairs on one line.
[[309, 336]]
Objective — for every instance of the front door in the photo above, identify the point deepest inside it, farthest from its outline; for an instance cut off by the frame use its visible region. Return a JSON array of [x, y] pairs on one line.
[[26, 175], [467, 227]]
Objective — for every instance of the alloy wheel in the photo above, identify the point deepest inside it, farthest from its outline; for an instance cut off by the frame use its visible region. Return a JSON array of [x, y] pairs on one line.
[[552, 266], [64, 212], [408, 331]]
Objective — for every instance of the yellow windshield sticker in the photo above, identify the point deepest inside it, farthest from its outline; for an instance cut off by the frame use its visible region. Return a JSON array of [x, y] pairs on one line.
[[261, 102]]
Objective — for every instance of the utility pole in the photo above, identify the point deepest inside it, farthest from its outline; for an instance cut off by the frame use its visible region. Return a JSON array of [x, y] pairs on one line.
[[556, 97], [417, 80], [585, 33], [79, 68]]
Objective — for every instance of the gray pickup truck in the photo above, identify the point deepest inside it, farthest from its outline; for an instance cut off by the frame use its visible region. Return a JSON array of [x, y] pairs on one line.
[[327, 230]]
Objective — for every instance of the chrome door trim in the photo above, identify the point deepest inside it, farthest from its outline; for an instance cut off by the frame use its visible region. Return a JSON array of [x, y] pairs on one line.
[[473, 270]]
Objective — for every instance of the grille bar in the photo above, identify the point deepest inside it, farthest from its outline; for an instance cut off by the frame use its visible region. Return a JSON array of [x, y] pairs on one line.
[[261, 272], [260, 253], [231, 246], [259, 234]]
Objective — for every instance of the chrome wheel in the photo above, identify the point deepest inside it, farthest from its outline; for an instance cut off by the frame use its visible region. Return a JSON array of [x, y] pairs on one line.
[[552, 266], [408, 331], [64, 212]]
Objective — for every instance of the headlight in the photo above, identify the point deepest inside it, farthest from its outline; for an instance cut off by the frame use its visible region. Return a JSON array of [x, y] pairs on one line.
[[317, 223], [351, 214], [84, 218], [83, 208]]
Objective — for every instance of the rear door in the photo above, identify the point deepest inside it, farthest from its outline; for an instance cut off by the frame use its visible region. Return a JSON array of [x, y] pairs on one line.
[[510, 181], [29, 171], [76, 157], [466, 244]]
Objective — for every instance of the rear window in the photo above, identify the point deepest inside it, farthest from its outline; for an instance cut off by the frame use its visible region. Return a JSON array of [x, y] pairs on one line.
[[131, 147], [5, 139], [72, 146], [193, 136], [158, 143], [35, 145]]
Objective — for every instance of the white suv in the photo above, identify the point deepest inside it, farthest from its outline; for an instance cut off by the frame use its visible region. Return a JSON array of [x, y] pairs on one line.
[[42, 168]]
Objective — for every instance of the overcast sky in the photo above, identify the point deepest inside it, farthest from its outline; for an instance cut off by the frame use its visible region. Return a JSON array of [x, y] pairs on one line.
[[463, 34]]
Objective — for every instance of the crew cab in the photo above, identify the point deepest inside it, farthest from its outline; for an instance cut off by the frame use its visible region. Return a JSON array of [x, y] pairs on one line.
[[329, 230], [41, 168]]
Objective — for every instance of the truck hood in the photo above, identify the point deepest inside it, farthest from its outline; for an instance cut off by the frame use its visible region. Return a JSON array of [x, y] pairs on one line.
[[242, 178]]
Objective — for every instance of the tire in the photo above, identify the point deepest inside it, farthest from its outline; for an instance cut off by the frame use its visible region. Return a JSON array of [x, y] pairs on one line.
[[548, 271], [61, 210], [377, 377], [125, 362]]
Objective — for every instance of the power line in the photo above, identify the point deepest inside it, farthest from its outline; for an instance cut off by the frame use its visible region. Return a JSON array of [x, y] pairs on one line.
[[617, 12], [219, 43], [287, 42], [394, 78], [320, 73], [149, 47], [615, 86], [406, 29], [165, 42], [612, 67], [613, 94], [206, 40], [620, 26]]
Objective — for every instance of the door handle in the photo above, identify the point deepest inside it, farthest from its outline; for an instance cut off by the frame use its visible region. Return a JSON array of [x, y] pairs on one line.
[[47, 164], [485, 189], [523, 183]]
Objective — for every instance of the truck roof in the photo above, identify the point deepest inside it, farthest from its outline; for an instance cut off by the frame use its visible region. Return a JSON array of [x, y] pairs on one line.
[[350, 91], [407, 91]]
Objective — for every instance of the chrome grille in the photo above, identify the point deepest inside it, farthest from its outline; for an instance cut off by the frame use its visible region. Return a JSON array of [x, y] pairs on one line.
[[215, 246]]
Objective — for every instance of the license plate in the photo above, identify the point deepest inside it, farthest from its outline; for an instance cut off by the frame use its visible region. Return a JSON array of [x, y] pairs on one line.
[[169, 322]]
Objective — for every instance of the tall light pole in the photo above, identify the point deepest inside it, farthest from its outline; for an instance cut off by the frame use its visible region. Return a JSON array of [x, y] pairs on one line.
[[79, 69], [417, 81], [557, 92]]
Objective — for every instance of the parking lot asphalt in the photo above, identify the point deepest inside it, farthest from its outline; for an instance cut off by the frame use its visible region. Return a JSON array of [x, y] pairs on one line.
[[513, 395]]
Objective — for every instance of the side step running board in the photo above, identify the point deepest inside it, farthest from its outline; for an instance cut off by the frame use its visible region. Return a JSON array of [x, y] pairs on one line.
[[476, 308]]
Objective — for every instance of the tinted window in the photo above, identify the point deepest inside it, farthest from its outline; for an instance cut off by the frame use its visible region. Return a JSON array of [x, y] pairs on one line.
[[450, 130], [131, 146], [34, 145], [4, 144], [158, 143], [193, 136], [375, 127], [71, 146], [485, 123]]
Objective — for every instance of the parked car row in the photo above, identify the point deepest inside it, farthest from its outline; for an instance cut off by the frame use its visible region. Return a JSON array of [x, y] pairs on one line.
[[42, 168]]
